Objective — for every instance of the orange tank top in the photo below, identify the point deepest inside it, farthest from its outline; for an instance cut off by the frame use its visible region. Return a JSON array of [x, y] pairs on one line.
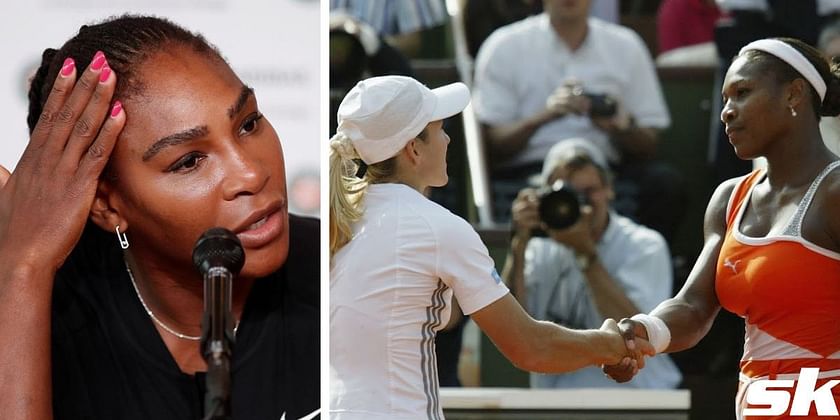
[[786, 288]]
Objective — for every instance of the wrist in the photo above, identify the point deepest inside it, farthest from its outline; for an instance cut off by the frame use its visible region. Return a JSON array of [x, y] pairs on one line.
[[624, 125], [586, 259], [658, 333], [610, 347]]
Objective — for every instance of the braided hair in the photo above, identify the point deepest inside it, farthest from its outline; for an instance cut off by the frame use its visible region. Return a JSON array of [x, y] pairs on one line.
[[127, 41]]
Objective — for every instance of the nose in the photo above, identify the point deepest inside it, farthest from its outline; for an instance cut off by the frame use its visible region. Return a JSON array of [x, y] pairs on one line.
[[728, 113], [244, 173]]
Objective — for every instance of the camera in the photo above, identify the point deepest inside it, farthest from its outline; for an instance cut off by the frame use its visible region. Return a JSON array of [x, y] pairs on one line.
[[559, 206], [601, 105]]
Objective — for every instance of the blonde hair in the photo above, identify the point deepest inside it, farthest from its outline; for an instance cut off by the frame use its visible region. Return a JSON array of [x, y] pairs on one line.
[[347, 191]]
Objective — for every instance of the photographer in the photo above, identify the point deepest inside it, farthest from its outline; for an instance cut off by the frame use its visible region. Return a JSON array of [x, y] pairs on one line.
[[564, 74], [602, 266]]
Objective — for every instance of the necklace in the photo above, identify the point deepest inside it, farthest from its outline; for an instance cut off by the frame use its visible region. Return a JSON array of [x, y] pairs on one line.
[[158, 321]]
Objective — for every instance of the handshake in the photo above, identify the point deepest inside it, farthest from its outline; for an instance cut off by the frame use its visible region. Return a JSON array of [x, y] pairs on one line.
[[631, 340]]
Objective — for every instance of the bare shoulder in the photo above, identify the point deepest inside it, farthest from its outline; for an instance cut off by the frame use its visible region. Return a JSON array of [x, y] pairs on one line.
[[715, 219]]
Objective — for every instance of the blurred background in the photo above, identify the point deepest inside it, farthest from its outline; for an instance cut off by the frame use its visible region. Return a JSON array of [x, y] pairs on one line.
[[271, 44]]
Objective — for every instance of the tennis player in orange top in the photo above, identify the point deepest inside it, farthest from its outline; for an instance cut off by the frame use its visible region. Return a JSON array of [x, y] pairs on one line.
[[772, 238]]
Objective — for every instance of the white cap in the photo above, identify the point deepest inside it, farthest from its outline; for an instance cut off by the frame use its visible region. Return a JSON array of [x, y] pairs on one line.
[[568, 148], [381, 114]]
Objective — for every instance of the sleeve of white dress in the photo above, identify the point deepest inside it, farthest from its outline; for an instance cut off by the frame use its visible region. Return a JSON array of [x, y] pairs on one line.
[[464, 264]]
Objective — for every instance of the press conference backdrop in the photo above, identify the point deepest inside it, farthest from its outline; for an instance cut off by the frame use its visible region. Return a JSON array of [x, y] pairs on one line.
[[273, 45]]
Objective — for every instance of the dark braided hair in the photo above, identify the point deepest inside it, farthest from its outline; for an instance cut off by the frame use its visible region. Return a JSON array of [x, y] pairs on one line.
[[784, 73], [127, 41]]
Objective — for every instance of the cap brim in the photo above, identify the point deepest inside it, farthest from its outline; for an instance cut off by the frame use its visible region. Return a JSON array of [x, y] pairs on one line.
[[451, 99]]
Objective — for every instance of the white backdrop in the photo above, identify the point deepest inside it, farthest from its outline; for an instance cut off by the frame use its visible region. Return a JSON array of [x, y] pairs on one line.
[[273, 45]]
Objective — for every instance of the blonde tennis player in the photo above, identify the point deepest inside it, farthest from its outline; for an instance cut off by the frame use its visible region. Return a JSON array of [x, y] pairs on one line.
[[397, 259]]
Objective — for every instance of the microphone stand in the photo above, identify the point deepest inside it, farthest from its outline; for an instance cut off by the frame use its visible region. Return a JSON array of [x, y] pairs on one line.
[[217, 340]]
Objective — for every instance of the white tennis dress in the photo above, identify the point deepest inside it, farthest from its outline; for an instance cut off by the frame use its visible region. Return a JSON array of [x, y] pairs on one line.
[[390, 291]]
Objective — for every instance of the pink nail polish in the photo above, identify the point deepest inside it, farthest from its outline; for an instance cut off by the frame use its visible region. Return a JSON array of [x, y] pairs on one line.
[[98, 61], [67, 67], [116, 109], [103, 76]]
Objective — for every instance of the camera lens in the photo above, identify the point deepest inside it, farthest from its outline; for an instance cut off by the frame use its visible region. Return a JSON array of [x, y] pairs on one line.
[[559, 206]]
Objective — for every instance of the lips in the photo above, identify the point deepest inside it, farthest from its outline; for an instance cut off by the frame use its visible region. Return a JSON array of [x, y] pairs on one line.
[[730, 130], [262, 227]]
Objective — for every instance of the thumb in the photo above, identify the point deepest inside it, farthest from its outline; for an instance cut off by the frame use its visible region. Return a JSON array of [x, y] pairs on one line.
[[609, 325], [4, 176]]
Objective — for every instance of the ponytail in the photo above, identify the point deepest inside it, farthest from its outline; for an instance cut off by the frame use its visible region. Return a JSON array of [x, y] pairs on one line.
[[347, 190]]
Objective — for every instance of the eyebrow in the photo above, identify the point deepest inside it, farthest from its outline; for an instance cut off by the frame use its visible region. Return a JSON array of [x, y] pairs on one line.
[[174, 140], [246, 93], [196, 132]]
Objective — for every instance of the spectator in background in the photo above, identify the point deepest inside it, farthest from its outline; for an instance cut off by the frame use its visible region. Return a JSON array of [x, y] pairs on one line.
[[401, 22], [829, 44], [534, 83], [603, 266], [482, 17], [683, 23]]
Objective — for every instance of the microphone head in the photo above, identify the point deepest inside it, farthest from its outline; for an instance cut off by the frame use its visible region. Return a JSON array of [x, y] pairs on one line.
[[218, 247]]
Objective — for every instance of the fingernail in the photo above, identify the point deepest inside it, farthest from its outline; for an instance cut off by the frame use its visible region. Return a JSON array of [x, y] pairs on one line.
[[67, 67], [103, 76], [116, 109], [98, 61]]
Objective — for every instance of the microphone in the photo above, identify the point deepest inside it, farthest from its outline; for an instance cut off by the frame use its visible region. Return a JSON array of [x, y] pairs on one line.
[[218, 256]]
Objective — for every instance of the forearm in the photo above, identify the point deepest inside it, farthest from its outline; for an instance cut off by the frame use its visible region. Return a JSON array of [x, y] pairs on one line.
[[638, 142], [513, 272], [609, 297], [541, 346], [687, 323], [25, 357], [509, 139], [556, 349]]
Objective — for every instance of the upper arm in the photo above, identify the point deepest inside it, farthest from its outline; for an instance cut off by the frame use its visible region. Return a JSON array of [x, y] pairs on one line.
[[832, 201], [644, 97], [699, 290], [494, 90], [463, 263]]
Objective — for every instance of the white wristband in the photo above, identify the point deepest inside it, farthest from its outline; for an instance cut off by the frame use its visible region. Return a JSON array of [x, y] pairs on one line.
[[659, 335]]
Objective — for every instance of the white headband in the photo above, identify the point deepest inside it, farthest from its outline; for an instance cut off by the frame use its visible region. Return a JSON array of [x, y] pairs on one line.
[[793, 57]]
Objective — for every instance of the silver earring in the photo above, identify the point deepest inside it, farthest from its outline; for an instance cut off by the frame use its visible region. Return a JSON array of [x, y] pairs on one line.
[[122, 238], [792, 111]]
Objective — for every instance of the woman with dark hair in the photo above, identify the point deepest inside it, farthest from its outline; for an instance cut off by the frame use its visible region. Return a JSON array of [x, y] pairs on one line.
[[772, 238], [142, 138]]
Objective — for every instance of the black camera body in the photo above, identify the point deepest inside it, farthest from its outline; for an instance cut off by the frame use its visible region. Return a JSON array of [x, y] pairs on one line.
[[601, 105], [559, 206]]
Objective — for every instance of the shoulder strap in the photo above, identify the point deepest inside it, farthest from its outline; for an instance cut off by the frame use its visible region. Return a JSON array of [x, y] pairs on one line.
[[794, 228], [739, 195]]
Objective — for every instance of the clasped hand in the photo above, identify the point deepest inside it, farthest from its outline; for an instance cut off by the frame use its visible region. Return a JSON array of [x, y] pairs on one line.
[[635, 341]]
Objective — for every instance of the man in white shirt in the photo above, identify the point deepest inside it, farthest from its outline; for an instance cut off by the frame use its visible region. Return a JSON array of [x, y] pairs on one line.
[[603, 266], [534, 86]]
